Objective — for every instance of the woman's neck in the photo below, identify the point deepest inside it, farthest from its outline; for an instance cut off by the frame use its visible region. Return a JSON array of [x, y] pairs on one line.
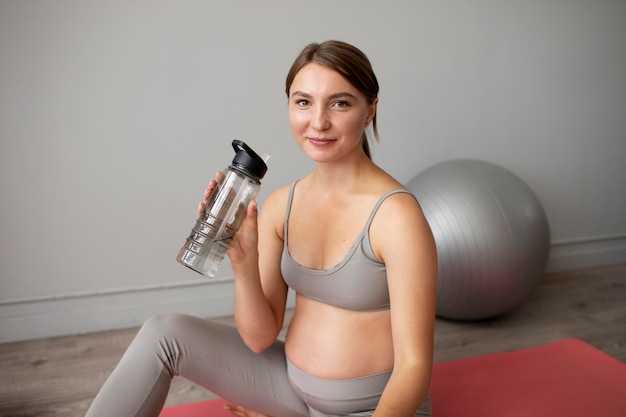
[[341, 177]]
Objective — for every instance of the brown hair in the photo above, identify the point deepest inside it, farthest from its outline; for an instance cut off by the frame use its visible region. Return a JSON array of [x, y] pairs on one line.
[[347, 60]]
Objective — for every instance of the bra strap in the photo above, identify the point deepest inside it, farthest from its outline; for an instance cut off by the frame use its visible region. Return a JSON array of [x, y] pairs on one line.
[[366, 244], [380, 202], [288, 211]]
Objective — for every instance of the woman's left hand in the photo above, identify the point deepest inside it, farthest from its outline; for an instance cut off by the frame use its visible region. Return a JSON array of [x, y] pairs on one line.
[[240, 411]]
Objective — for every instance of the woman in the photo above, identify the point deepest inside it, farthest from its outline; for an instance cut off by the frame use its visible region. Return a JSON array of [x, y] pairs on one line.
[[352, 243]]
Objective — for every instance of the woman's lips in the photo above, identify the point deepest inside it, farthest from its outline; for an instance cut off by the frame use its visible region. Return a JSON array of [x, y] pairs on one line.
[[321, 141]]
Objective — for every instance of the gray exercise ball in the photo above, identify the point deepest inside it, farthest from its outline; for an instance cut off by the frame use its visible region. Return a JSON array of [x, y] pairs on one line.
[[491, 233]]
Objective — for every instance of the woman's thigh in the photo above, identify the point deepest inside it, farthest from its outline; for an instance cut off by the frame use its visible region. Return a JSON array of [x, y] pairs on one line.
[[214, 356], [208, 353]]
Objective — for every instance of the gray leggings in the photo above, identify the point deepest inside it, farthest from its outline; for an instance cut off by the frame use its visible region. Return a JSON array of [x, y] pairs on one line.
[[214, 356]]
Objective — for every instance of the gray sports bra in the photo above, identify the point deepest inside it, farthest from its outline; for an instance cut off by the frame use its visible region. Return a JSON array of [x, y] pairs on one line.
[[358, 282]]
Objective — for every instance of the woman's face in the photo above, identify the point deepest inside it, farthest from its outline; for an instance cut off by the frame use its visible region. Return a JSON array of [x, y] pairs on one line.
[[327, 114]]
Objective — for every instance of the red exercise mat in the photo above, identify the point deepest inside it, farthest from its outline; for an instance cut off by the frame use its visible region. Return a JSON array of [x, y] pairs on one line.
[[568, 378], [213, 408]]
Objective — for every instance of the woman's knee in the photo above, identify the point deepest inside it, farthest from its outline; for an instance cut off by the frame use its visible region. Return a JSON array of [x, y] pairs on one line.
[[185, 328], [164, 325], [167, 320]]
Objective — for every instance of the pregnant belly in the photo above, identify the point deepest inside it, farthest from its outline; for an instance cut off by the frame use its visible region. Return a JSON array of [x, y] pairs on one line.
[[330, 342]]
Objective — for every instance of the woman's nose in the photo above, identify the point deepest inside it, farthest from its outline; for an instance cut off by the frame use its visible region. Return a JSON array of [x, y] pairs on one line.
[[321, 120]]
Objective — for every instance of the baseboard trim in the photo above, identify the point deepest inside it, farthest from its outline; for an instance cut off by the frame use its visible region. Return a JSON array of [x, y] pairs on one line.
[[587, 253], [71, 314]]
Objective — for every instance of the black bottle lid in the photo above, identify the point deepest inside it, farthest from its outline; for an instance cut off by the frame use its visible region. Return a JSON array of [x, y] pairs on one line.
[[247, 160]]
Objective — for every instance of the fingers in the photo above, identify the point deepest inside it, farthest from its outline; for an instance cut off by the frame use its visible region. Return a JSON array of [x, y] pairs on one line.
[[250, 223], [252, 209], [244, 246], [212, 185], [205, 196], [241, 412], [200, 209], [235, 409], [209, 190], [249, 228]]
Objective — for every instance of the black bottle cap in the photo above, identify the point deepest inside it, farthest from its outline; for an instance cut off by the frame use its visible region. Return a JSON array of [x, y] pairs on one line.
[[247, 160]]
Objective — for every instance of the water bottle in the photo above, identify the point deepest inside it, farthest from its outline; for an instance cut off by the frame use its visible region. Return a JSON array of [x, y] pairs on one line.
[[224, 211]]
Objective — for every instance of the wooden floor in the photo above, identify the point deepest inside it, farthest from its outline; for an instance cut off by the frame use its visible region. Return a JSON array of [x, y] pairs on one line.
[[60, 376]]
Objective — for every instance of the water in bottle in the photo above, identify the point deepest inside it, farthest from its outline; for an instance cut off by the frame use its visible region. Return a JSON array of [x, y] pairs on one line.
[[224, 211]]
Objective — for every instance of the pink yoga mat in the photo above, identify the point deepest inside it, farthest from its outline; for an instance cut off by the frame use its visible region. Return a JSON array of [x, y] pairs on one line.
[[213, 408], [568, 378]]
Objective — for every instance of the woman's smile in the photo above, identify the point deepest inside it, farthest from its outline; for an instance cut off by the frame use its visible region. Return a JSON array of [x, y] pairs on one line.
[[321, 141]]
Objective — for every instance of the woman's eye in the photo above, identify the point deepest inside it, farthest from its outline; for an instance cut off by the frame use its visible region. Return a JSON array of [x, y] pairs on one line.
[[302, 102], [342, 104]]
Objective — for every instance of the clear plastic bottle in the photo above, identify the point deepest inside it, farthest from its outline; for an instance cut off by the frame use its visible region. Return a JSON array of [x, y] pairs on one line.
[[224, 211]]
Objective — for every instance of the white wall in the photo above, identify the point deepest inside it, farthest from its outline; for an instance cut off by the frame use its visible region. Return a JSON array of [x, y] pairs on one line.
[[114, 115]]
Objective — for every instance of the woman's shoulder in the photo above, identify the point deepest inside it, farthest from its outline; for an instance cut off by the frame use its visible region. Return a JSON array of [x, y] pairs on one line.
[[389, 189], [398, 222], [279, 195], [396, 200], [399, 202], [273, 209], [275, 204]]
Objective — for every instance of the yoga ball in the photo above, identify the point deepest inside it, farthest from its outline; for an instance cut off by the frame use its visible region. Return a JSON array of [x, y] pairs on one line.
[[491, 233]]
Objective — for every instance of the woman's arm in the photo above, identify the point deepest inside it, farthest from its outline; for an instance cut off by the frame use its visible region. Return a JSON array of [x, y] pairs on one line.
[[260, 292], [403, 240]]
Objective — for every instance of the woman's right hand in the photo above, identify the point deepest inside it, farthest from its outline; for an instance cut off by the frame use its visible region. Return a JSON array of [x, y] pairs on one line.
[[244, 247], [245, 240], [209, 190]]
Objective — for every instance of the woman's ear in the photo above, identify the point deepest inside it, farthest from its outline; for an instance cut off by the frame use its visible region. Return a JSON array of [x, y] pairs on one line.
[[371, 112]]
